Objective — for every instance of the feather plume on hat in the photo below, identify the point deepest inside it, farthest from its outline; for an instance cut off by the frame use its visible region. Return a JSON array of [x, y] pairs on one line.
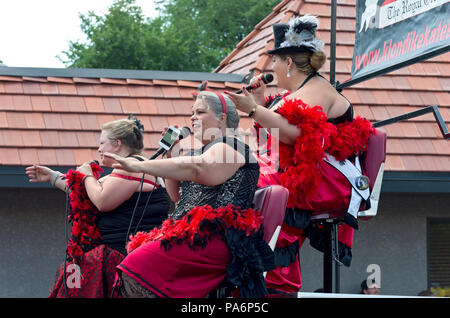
[[301, 32]]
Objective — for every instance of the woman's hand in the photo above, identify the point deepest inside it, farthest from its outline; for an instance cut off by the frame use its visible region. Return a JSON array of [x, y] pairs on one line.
[[127, 164], [38, 173], [244, 102], [85, 168], [258, 90]]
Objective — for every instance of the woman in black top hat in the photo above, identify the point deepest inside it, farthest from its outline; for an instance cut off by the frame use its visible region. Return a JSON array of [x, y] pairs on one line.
[[305, 133]]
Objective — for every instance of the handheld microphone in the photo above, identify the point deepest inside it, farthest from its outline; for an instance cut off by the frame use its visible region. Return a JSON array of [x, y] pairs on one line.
[[184, 132], [266, 78]]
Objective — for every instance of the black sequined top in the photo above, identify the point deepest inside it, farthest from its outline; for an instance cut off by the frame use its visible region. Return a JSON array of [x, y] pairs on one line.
[[237, 190]]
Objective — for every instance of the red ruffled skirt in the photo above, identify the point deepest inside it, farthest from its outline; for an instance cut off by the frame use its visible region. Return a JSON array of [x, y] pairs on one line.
[[192, 256], [98, 271], [179, 272]]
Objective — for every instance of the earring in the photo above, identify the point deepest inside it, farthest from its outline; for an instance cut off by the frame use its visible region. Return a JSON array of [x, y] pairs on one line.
[[288, 74]]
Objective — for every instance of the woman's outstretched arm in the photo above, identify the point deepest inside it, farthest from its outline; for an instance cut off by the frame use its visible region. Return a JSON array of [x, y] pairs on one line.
[[213, 167]]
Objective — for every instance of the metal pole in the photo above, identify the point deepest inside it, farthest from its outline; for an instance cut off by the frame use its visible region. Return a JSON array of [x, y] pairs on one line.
[[327, 257], [337, 283], [430, 109], [333, 43], [333, 228]]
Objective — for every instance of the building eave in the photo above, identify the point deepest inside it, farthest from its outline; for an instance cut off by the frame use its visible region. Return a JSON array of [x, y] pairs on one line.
[[393, 182], [120, 74]]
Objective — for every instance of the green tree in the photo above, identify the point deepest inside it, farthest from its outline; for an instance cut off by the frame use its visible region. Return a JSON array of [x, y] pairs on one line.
[[120, 39], [188, 35]]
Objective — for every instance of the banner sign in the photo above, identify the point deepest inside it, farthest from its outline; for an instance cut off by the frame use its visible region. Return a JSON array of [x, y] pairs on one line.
[[395, 33]]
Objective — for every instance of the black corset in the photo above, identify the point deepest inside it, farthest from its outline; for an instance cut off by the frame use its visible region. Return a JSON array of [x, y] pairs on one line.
[[238, 190]]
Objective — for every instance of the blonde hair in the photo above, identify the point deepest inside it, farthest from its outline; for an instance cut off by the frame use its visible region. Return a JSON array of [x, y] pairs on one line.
[[307, 63], [128, 132]]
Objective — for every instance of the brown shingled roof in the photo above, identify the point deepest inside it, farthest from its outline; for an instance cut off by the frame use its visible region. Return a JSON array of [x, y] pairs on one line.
[[56, 120], [414, 145], [53, 116]]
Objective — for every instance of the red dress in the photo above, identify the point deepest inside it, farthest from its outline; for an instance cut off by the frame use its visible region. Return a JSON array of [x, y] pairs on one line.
[[190, 257], [313, 184]]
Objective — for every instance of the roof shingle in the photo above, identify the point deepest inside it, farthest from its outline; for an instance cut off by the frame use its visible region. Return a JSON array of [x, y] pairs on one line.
[[56, 120]]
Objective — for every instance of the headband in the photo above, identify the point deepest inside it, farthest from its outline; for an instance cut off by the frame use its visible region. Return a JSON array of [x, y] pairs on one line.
[[203, 87], [224, 104]]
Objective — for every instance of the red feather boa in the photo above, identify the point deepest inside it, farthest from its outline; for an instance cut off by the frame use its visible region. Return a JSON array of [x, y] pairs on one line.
[[196, 227], [299, 163], [83, 215]]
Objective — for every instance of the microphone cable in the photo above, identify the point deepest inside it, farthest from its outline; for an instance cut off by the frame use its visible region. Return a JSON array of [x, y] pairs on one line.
[[145, 207], [135, 208]]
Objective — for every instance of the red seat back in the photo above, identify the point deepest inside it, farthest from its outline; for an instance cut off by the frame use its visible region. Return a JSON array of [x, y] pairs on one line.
[[372, 160], [271, 201], [375, 155]]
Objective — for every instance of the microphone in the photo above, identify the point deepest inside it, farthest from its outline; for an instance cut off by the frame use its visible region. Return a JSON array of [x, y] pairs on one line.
[[184, 132], [266, 78]]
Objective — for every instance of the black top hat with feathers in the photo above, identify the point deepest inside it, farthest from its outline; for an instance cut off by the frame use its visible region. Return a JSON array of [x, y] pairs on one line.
[[298, 35]]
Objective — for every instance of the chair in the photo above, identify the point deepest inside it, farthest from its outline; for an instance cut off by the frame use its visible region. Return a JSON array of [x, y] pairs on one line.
[[373, 164], [271, 201]]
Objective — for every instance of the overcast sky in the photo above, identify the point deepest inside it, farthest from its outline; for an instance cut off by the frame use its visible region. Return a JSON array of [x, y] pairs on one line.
[[34, 32]]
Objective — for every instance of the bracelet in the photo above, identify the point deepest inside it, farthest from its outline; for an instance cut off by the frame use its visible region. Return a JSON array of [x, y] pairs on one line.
[[55, 176], [86, 176], [252, 112]]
